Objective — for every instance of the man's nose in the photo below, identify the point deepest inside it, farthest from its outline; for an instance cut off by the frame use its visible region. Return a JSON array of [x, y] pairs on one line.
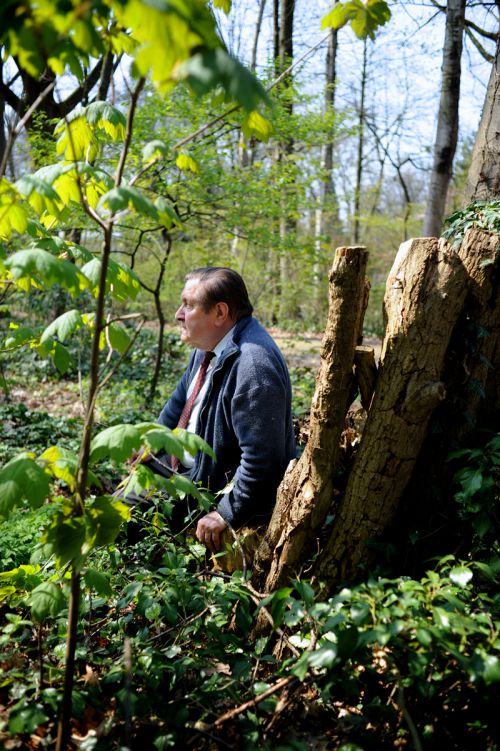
[[179, 313]]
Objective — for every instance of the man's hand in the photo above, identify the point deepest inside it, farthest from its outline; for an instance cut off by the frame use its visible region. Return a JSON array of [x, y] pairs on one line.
[[209, 530]]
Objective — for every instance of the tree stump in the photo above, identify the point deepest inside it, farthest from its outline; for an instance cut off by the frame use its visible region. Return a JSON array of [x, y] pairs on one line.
[[305, 494], [425, 293]]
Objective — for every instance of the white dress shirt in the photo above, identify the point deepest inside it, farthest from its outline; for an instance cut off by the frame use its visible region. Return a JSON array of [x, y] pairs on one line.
[[188, 459]]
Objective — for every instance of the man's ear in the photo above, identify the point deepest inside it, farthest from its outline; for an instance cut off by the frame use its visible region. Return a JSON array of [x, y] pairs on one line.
[[221, 313]]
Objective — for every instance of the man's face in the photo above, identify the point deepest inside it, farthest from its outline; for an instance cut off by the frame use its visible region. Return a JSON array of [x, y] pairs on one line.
[[199, 328]]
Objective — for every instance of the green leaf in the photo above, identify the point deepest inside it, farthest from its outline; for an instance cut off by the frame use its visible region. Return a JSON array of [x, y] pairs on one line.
[[22, 479], [254, 124], [491, 673], [19, 335], [63, 326], [154, 150], [121, 281], [186, 162], [365, 16], [46, 600], [224, 5], [62, 464], [118, 337], [194, 443], [61, 357], [126, 198], [119, 441], [461, 575], [324, 656], [40, 268], [40, 194], [207, 70], [104, 516], [166, 214], [98, 581], [26, 719], [66, 538]]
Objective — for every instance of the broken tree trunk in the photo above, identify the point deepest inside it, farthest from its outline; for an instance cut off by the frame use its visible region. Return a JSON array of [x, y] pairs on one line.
[[305, 494], [425, 293]]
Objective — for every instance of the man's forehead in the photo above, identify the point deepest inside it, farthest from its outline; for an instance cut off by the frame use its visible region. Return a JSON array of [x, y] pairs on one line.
[[190, 289]]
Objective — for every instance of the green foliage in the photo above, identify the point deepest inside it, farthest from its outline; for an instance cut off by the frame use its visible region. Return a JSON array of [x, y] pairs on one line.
[[364, 17], [482, 214], [478, 497]]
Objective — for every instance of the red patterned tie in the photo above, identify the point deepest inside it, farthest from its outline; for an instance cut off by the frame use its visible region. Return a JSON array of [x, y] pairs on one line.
[[188, 407]]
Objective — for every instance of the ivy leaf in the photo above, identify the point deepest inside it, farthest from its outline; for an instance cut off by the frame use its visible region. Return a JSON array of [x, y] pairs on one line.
[[491, 673], [22, 479], [119, 441], [40, 267], [98, 581], [46, 600], [63, 326]]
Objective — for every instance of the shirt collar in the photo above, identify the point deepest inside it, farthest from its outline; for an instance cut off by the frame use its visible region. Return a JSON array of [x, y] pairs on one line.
[[221, 346]]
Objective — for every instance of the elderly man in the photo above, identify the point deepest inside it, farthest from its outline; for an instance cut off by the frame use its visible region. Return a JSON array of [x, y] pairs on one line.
[[236, 395]]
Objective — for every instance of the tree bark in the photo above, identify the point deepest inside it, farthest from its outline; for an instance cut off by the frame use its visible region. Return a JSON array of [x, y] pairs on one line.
[[483, 181], [425, 293], [305, 494], [447, 125]]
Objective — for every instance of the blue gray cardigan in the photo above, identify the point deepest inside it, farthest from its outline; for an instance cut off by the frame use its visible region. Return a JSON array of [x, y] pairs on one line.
[[247, 419]]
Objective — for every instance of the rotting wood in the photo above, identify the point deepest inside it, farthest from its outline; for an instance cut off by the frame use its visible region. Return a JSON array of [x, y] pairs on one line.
[[305, 494], [425, 293], [365, 372]]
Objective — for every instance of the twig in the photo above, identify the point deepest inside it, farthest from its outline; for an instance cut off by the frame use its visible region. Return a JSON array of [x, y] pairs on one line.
[[283, 683]]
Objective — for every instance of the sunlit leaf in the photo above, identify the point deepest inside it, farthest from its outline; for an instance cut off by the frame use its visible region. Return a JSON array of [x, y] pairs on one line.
[[39, 266], [22, 479], [254, 124], [128, 198], [186, 162], [119, 441], [104, 517], [154, 150], [63, 326]]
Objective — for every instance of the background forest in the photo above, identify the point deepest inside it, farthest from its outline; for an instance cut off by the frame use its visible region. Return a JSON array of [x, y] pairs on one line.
[[141, 139]]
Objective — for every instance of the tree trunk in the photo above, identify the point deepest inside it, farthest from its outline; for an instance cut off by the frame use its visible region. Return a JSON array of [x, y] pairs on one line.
[[306, 493], [425, 293], [361, 142], [447, 125], [326, 194], [483, 181]]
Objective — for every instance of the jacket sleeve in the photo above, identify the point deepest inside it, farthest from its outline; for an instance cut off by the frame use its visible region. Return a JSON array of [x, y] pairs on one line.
[[259, 419]]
